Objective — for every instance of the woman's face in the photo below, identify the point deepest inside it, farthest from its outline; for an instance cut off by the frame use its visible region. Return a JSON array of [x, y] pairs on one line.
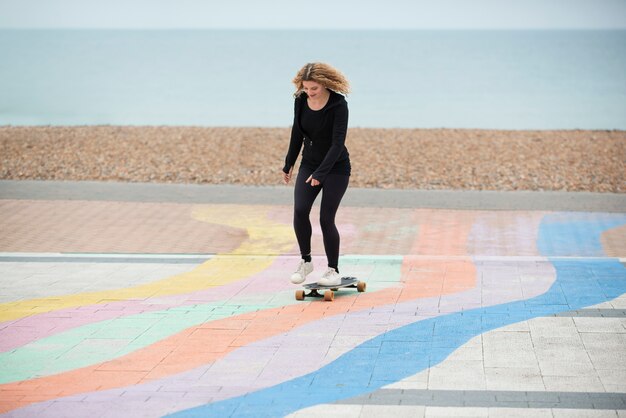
[[313, 88]]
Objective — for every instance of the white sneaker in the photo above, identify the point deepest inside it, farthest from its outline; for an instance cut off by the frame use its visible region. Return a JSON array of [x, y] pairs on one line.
[[303, 270], [330, 278]]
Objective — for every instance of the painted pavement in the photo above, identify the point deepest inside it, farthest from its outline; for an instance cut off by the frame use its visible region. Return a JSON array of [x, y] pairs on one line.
[[136, 309]]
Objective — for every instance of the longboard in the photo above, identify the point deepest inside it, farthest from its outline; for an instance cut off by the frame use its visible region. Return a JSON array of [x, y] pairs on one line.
[[329, 291]]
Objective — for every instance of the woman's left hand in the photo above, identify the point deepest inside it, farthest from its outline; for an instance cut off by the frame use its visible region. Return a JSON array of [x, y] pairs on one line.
[[312, 181]]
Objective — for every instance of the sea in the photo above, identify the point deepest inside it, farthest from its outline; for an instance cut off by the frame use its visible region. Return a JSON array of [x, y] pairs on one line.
[[493, 79]]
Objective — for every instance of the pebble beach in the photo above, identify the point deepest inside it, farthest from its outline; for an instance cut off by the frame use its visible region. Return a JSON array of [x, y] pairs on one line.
[[463, 159]]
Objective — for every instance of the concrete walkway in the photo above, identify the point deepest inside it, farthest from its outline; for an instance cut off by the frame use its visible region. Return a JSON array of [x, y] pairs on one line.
[[282, 195], [144, 300]]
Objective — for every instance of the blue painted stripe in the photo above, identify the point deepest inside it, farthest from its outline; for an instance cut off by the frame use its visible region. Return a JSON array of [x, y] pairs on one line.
[[575, 234], [410, 349]]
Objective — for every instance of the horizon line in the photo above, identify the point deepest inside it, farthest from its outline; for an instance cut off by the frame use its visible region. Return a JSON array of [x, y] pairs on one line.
[[323, 29]]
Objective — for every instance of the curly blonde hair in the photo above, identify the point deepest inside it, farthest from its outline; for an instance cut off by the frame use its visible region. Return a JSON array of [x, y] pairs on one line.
[[324, 74]]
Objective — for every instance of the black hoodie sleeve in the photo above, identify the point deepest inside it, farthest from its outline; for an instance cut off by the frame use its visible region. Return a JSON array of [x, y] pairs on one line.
[[295, 143], [340, 129]]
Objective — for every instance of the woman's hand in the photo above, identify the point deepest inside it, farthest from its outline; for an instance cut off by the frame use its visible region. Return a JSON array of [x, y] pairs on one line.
[[287, 176], [312, 181]]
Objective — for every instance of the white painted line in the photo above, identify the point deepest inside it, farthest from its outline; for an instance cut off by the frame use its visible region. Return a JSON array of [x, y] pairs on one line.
[[105, 255], [104, 258]]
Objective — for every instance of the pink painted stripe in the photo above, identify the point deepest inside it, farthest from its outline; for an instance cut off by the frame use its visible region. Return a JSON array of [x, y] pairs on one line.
[[32, 328], [280, 358]]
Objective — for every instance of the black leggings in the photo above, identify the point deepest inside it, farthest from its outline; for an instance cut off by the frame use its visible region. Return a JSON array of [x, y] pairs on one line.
[[334, 187]]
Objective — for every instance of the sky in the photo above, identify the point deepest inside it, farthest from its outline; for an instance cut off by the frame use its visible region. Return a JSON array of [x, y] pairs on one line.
[[319, 14]]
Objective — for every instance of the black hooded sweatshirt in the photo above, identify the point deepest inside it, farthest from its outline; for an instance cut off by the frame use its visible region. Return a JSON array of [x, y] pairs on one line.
[[324, 147]]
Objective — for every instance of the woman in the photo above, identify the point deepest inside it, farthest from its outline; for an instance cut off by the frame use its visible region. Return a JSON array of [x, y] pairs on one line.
[[320, 123]]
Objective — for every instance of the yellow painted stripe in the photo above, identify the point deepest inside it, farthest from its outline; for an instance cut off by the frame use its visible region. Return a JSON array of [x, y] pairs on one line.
[[265, 237]]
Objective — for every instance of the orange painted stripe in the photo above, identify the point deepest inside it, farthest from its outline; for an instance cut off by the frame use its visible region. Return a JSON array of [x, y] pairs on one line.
[[443, 232], [211, 341]]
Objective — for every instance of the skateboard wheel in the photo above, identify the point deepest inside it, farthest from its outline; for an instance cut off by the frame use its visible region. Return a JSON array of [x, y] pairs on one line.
[[361, 286], [329, 295], [299, 294]]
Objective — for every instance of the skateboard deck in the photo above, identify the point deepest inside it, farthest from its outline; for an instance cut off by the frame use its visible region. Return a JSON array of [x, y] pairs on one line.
[[329, 291]]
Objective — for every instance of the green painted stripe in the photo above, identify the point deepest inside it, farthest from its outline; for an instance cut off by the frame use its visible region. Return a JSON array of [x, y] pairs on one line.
[[105, 340]]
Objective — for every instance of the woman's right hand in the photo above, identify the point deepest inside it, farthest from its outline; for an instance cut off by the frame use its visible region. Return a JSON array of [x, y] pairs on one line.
[[287, 176]]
